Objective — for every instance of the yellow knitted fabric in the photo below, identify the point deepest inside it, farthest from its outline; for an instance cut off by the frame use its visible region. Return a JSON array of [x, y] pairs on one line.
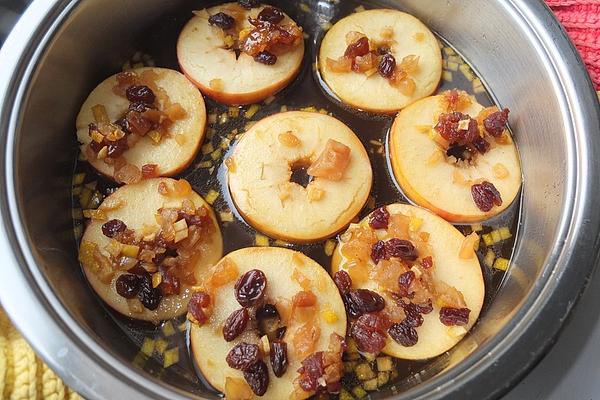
[[23, 376]]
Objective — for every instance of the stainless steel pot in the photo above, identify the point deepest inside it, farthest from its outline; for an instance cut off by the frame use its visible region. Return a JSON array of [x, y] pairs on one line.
[[62, 47]]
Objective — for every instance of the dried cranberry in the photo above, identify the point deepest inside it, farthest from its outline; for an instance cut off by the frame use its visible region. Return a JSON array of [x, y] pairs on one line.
[[222, 20], [128, 285], [113, 227], [404, 282], [235, 324], [342, 281], [495, 123], [369, 332], [257, 376], [379, 218], [358, 48], [404, 334], [279, 358], [248, 4], [450, 316], [250, 288], [266, 57], [271, 14], [149, 296], [400, 248], [117, 148], [363, 301], [481, 145], [267, 311], [387, 65], [460, 152], [485, 195], [198, 301], [243, 355], [448, 128], [141, 94], [378, 251], [312, 369]]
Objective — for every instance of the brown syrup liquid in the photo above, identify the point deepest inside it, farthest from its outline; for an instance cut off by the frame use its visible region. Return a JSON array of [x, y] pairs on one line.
[[307, 90]]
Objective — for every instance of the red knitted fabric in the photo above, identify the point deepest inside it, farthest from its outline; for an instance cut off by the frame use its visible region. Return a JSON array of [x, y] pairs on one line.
[[581, 19]]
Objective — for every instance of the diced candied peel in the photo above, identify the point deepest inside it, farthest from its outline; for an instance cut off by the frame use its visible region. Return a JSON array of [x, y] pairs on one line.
[[100, 115], [501, 264], [261, 240], [489, 258], [211, 196], [171, 357], [419, 36], [288, 139], [147, 347], [456, 331], [467, 248], [252, 110], [332, 162], [156, 279], [168, 329], [130, 250], [128, 174], [342, 64], [329, 247], [224, 272], [237, 389], [305, 339], [98, 215]]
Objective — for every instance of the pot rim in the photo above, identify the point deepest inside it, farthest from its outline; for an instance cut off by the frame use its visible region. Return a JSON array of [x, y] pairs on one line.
[[495, 366]]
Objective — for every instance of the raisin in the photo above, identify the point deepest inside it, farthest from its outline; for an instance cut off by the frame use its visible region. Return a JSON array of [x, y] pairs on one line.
[[235, 324], [448, 128], [481, 145], [460, 152], [413, 315], [271, 14], [113, 227], [267, 311], [222, 20], [378, 252], [387, 65], [404, 334], [312, 369], [495, 123], [250, 288], [400, 248], [485, 195], [198, 301], [425, 308], [280, 332], [404, 282], [128, 285], [358, 48], [383, 50], [369, 332], [342, 281], [123, 124], [140, 94], [450, 316], [379, 218], [149, 296], [117, 148], [279, 358], [248, 4], [138, 106], [257, 377], [363, 301], [243, 355], [265, 57], [170, 284]]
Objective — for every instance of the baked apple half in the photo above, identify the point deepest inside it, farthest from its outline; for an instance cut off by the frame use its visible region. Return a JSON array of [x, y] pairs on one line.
[[143, 123], [411, 282], [268, 322], [147, 245], [380, 60], [239, 55], [453, 156]]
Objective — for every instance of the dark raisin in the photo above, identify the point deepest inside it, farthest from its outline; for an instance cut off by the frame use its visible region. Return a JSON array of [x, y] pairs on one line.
[[117, 148], [198, 302], [312, 369], [450, 316], [402, 249], [378, 251], [358, 48], [387, 65], [235, 324], [481, 145], [250, 288], [142, 94], [379, 218], [449, 125], [149, 296], [271, 14], [257, 377], [485, 195], [425, 308], [243, 355], [96, 147], [383, 50], [413, 315], [369, 332], [460, 152], [266, 57], [495, 123], [363, 301], [128, 285], [279, 358], [123, 124], [267, 311], [404, 282], [427, 262], [342, 281], [222, 20], [404, 334], [113, 227], [138, 106], [248, 4]]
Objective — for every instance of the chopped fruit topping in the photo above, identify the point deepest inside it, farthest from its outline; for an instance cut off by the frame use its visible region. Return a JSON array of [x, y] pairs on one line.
[[235, 324], [266, 57], [113, 227], [257, 377], [289, 139], [495, 123], [332, 162], [485, 195], [369, 332], [243, 356], [342, 281], [404, 334], [237, 389], [305, 338], [149, 171], [467, 249], [197, 306], [454, 316], [304, 299], [322, 371], [248, 4], [250, 288], [379, 219], [222, 20], [279, 358], [387, 65], [272, 15], [363, 301]]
